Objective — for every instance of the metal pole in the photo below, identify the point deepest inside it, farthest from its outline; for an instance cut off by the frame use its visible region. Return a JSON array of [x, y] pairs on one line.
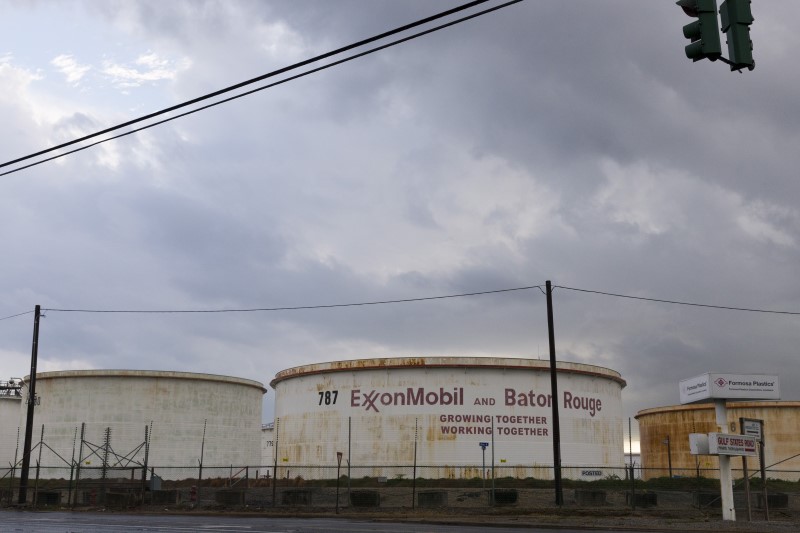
[[275, 468], [669, 456], [26, 450], [38, 464], [763, 474], [483, 470], [414, 474], [338, 477], [554, 393], [630, 459], [725, 476], [746, 475], [78, 466], [349, 441], [144, 464], [14, 468], [202, 449], [72, 466], [492, 444]]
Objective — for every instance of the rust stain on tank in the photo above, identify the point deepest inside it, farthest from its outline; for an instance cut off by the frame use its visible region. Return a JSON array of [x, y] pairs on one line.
[[434, 433], [471, 472]]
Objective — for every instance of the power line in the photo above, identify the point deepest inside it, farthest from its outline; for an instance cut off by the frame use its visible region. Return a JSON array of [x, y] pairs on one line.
[[265, 76], [18, 314], [253, 80], [676, 302], [294, 308], [246, 93], [404, 300]]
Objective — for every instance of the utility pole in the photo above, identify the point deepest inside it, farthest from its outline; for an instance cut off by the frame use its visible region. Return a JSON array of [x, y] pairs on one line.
[[26, 451], [554, 401]]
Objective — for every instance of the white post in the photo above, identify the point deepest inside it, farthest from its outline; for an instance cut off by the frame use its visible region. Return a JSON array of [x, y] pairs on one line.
[[725, 477]]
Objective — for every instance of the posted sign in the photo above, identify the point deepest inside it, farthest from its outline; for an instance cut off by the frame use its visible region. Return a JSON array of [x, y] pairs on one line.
[[714, 386], [751, 427], [730, 444]]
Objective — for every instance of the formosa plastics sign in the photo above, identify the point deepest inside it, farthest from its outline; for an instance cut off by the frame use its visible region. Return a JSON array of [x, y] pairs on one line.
[[713, 386]]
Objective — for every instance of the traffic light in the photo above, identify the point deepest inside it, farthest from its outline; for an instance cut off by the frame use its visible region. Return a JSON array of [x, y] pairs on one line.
[[736, 20], [703, 32]]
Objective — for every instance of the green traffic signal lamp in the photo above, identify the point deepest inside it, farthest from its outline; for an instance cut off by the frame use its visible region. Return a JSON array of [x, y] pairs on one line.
[[736, 20], [703, 32]]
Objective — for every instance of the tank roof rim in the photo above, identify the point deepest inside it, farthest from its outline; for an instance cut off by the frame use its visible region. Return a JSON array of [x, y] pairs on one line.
[[396, 363], [743, 404], [161, 374]]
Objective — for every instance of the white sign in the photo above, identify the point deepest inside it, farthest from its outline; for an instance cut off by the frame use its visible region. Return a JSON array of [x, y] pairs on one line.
[[731, 444], [698, 444], [713, 386], [751, 427]]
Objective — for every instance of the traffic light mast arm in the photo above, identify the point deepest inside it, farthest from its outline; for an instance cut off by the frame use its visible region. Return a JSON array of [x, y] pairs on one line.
[[736, 66]]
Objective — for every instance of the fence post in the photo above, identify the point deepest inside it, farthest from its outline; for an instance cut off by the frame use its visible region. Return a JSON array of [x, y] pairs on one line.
[[144, 466], [80, 460], [492, 500], [202, 449], [349, 441], [414, 474], [14, 467], [38, 463], [275, 468], [72, 467], [630, 456], [106, 447]]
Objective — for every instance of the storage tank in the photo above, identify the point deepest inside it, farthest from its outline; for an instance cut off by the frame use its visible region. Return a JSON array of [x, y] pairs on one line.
[[10, 400], [436, 411], [188, 417], [664, 438]]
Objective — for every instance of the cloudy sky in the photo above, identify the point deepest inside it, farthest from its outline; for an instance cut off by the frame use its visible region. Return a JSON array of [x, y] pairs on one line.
[[569, 141]]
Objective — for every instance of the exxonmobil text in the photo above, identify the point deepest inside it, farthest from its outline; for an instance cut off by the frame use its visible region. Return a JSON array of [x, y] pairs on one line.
[[374, 399]]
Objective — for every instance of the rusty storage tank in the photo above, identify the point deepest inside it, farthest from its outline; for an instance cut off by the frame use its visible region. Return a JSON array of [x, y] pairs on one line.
[[188, 416], [664, 438], [10, 400], [436, 411]]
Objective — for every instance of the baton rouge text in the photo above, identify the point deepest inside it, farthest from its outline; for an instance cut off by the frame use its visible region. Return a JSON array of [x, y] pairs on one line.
[[571, 401]]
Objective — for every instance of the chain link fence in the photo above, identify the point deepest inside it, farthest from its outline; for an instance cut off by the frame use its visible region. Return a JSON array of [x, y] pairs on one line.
[[94, 466]]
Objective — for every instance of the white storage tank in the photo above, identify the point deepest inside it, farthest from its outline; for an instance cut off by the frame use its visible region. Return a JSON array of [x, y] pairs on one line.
[[383, 412], [187, 415]]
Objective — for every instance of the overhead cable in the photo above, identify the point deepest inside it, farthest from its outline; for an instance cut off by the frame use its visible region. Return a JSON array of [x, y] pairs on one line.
[[268, 86], [294, 308], [677, 302], [18, 314], [314, 59]]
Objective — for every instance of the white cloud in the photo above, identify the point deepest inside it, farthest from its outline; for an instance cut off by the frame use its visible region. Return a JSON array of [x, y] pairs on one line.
[[149, 68], [70, 68], [649, 200], [761, 221]]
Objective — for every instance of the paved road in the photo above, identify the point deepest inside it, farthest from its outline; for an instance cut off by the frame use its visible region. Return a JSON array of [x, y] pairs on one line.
[[32, 522]]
